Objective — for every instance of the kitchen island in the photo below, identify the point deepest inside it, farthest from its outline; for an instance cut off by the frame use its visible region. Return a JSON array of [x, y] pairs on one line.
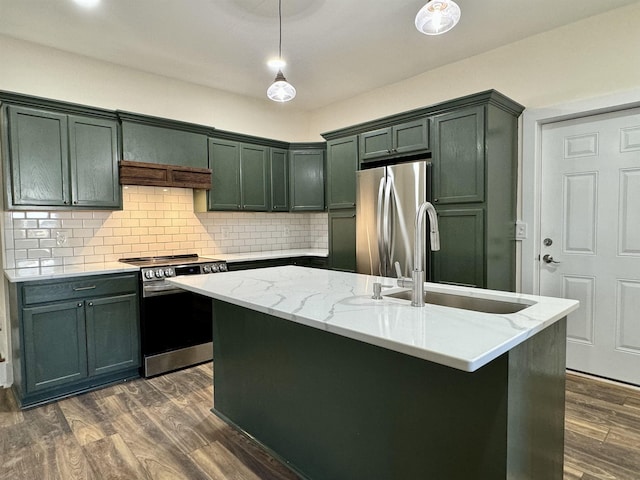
[[340, 385]]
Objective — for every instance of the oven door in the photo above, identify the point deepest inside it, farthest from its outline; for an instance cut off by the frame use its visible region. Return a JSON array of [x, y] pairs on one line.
[[176, 330]]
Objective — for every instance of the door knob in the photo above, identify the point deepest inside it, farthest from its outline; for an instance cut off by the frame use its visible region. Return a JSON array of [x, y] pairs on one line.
[[549, 259]]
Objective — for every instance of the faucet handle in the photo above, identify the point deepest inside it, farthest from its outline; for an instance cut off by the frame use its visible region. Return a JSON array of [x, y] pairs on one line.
[[402, 281]]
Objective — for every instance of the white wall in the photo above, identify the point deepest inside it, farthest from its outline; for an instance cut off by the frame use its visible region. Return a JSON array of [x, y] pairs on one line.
[[589, 58], [46, 72]]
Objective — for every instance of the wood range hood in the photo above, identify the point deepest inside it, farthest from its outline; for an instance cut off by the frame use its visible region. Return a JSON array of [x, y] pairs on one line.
[[159, 175]]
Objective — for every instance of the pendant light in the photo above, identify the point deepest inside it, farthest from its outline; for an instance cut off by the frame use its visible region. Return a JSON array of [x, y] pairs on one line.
[[437, 17], [280, 90]]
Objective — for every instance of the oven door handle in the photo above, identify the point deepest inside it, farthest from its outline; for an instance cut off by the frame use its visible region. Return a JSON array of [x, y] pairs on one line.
[[155, 291]]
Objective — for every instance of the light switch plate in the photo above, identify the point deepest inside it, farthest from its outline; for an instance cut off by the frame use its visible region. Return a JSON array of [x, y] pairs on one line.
[[521, 230]]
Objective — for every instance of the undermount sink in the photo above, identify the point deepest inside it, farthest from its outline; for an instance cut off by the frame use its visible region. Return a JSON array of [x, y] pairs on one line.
[[465, 303]]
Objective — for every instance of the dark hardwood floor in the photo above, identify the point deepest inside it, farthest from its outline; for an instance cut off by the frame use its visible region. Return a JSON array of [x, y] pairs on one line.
[[162, 429]]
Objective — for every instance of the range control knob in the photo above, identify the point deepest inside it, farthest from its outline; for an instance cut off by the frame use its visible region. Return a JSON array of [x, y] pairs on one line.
[[169, 272], [214, 268], [223, 267], [148, 274], [159, 273], [206, 268]]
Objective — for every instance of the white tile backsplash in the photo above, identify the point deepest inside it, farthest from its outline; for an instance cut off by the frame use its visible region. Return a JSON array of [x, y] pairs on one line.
[[154, 221]]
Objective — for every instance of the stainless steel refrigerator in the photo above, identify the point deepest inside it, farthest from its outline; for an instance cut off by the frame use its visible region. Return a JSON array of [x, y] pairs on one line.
[[387, 201]]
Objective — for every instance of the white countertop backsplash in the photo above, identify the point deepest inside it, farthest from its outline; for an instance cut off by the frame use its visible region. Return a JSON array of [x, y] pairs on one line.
[[272, 254], [341, 303]]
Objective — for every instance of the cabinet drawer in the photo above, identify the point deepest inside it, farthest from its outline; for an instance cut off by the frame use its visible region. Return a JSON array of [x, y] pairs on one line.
[[78, 287]]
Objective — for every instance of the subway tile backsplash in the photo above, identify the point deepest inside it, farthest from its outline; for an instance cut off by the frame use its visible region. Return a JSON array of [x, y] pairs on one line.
[[154, 221]]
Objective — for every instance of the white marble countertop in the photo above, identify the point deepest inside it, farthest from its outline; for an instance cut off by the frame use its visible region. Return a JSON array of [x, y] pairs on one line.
[[47, 273], [271, 254], [341, 303]]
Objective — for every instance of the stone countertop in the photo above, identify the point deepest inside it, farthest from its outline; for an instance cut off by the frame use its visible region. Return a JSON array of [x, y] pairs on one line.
[[48, 273], [341, 303], [272, 254]]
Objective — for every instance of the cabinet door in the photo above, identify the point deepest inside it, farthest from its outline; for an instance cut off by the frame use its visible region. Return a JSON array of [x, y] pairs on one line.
[[93, 153], [55, 345], [224, 162], [411, 136], [38, 157], [307, 180], [254, 177], [279, 180], [460, 259], [459, 156], [163, 145], [342, 163], [112, 333], [342, 240], [375, 144]]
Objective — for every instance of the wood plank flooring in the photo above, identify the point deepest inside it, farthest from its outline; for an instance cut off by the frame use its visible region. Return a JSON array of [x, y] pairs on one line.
[[162, 428]]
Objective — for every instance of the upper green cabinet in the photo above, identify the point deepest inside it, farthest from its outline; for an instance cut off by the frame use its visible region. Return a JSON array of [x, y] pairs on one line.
[[459, 156], [167, 143], [279, 180], [342, 164], [405, 138], [307, 180], [60, 160], [240, 176]]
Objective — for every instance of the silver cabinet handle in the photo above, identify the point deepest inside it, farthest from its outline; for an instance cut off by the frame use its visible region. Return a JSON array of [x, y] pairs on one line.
[[79, 289], [91, 304], [549, 259]]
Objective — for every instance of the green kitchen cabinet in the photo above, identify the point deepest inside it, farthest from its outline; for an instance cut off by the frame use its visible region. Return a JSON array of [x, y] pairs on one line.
[[459, 156], [73, 335], [460, 260], [306, 180], [342, 164], [402, 139], [162, 141], [342, 240], [279, 180], [240, 176], [61, 160]]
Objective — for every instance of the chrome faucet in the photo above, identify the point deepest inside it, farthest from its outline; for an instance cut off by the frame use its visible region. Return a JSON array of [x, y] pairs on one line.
[[417, 275]]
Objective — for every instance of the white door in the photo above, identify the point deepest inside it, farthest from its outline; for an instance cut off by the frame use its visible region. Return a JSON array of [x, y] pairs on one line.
[[590, 226]]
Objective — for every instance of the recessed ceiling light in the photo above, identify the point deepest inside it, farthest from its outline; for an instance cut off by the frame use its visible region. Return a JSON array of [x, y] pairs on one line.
[[87, 3]]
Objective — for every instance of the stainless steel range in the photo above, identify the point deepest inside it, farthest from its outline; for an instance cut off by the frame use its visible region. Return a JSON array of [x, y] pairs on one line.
[[175, 325]]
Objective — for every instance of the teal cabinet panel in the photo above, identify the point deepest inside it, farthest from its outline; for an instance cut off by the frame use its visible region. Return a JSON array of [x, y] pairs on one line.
[[279, 180], [411, 136], [94, 162], [163, 145], [254, 177], [342, 164], [461, 257], [39, 153], [55, 345], [375, 144], [224, 162], [112, 334], [459, 156], [404, 138], [307, 180], [342, 240]]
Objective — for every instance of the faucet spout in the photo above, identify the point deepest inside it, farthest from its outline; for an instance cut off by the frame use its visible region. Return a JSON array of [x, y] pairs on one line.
[[417, 276]]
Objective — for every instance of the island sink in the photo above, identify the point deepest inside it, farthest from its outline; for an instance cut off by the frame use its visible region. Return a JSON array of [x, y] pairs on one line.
[[465, 302]]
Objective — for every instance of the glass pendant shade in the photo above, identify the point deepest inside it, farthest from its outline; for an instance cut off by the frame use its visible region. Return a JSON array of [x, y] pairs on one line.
[[281, 90], [437, 17]]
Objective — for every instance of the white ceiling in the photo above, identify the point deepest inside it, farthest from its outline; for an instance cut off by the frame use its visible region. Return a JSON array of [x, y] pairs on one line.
[[335, 49]]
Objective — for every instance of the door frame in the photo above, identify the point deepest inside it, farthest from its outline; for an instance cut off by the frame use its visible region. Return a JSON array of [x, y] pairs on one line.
[[531, 169]]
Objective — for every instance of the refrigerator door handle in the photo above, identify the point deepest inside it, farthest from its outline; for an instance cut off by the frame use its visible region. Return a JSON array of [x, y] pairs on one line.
[[387, 225], [380, 227]]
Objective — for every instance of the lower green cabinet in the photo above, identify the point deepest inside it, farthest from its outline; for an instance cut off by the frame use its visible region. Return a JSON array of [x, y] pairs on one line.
[[73, 335], [342, 240], [461, 258]]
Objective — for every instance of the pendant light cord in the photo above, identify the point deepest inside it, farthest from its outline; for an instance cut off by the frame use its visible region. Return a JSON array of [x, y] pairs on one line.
[[280, 23]]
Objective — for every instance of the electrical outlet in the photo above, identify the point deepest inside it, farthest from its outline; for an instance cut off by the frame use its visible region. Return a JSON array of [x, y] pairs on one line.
[[225, 231], [521, 230], [286, 231]]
